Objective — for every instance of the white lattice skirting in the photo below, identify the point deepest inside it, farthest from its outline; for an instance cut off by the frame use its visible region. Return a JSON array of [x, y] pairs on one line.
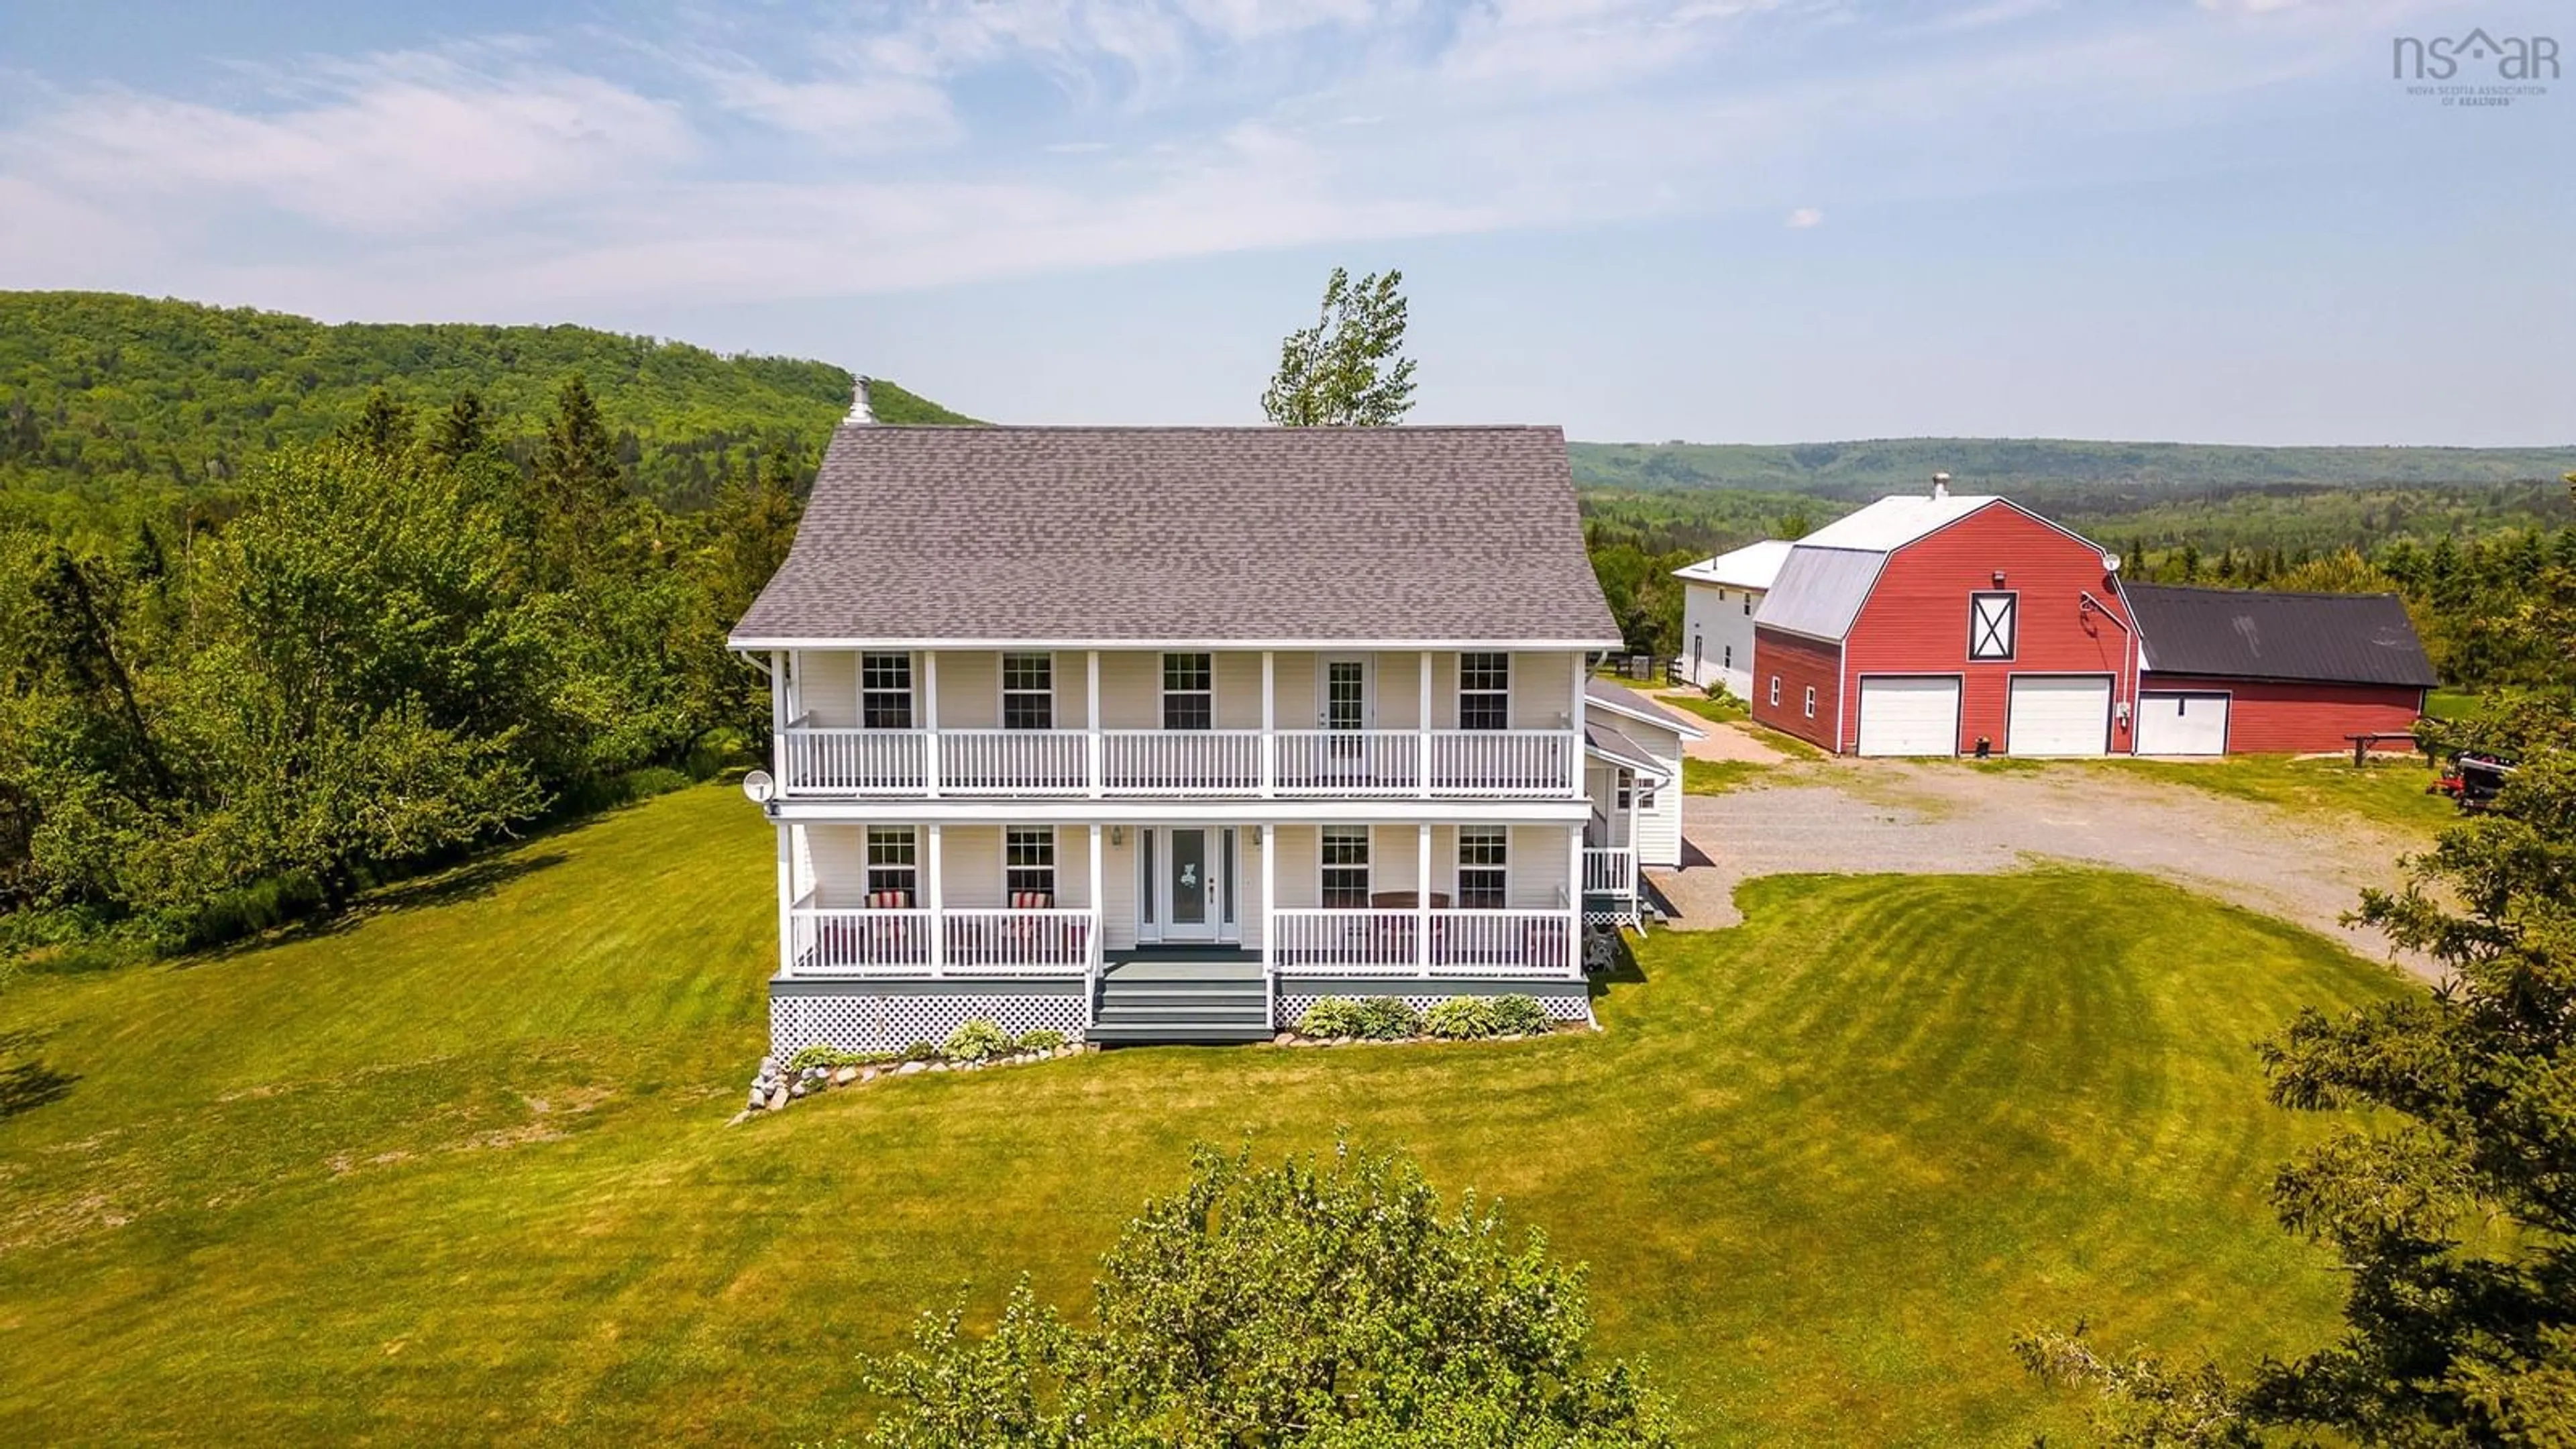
[[861, 1023], [1292, 1009]]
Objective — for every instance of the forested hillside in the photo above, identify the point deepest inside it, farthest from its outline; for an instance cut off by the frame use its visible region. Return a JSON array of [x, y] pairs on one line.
[[1865, 469], [116, 410]]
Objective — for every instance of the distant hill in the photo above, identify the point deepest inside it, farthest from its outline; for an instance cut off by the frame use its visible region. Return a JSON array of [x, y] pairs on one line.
[[2011, 465], [113, 407]]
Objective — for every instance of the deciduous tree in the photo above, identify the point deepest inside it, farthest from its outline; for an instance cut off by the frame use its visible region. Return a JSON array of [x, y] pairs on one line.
[[1346, 371]]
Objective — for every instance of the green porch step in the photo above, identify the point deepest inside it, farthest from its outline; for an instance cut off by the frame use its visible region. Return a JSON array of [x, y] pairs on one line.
[[1169, 998]]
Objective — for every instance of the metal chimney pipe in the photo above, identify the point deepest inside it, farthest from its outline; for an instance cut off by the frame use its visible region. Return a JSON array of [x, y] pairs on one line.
[[1940, 485]]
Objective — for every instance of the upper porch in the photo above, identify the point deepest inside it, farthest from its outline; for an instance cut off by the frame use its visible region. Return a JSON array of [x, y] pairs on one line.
[[1128, 723]]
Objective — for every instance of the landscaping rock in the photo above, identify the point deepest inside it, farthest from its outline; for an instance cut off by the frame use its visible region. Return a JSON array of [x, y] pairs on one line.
[[738, 1118], [797, 1091], [908, 1068], [778, 1100], [1284, 1038], [870, 1074], [768, 1065], [845, 1076], [759, 1098]]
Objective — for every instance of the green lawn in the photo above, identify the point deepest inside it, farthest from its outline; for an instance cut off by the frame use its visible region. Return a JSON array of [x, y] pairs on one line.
[[1718, 711], [458, 1171], [2389, 793], [2453, 704], [1716, 777]]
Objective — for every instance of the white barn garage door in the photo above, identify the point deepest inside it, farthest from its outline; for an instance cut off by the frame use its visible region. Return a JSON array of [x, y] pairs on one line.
[[1909, 716], [2059, 715], [2173, 723]]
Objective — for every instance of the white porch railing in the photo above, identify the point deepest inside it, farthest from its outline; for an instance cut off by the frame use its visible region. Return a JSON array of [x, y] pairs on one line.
[[1502, 762], [853, 761], [1609, 870], [1349, 762], [1461, 764], [1017, 942], [1352, 942], [859, 942], [1015, 762], [1180, 762], [882, 942]]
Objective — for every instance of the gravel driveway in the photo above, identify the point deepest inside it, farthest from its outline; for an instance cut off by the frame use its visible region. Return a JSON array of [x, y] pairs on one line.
[[1849, 816]]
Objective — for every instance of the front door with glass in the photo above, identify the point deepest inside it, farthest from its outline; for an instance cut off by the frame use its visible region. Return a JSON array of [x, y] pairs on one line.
[[1189, 885]]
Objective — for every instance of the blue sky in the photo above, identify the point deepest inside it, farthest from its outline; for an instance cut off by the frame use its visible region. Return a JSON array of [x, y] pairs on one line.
[[1766, 220]]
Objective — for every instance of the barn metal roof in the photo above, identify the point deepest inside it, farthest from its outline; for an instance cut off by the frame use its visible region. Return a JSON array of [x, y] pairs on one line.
[[2255, 634], [926, 535], [1893, 522], [1820, 590], [1753, 566]]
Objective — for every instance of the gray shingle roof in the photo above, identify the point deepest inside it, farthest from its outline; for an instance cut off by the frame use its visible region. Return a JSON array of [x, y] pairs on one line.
[[1621, 697], [2254, 634], [1400, 535]]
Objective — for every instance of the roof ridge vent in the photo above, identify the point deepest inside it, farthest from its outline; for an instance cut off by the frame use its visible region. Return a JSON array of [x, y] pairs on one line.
[[861, 415], [1940, 486]]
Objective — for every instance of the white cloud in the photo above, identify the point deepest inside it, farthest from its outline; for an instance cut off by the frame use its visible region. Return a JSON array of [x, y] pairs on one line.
[[390, 143], [497, 181]]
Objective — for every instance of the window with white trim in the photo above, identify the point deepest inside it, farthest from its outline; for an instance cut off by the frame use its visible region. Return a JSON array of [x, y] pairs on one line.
[[1991, 622], [1775, 691], [1345, 854], [1028, 691], [1811, 701], [1484, 691], [1189, 692], [1483, 851], [894, 873], [1028, 865], [885, 691], [1748, 606], [1730, 658]]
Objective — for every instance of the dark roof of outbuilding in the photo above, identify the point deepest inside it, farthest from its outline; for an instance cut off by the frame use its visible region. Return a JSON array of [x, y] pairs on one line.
[[2253, 634], [1396, 535]]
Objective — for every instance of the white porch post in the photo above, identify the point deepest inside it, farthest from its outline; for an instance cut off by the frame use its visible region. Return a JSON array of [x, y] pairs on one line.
[[1269, 727], [1574, 903], [778, 716], [786, 901], [1422, 722], [1099, 921], [1091, 717], [1422, 898], [930, 721], [1574, 746], [1269, 838], [938, 922]]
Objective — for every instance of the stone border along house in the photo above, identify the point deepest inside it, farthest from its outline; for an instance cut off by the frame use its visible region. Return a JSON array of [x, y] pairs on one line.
[[1160, 734], [1932, 625]]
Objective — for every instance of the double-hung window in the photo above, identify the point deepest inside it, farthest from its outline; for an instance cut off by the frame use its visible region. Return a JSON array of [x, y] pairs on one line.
[[1482, 851], [1028, 865], [1346, 867], [1991, 620], [1811, 701], [1484, 691], [885, 691], [1189, 692], [1028, 691], [894, 874]]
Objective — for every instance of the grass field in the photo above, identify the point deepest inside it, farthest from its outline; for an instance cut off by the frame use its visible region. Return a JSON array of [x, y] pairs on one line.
[[2388, 793], [458, 1170], [1716, 777]]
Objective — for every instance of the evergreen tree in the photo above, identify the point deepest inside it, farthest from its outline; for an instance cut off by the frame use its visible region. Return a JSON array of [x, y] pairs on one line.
[[383, 426], [462, 430]]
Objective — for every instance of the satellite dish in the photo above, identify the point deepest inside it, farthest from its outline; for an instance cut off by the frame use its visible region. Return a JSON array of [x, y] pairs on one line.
[[2111, 563], [757, 787]]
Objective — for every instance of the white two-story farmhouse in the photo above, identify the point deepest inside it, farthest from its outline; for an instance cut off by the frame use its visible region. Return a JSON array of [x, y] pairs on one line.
[[1159, 734]]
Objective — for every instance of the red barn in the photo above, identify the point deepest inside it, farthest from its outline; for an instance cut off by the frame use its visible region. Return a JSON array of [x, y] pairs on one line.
[[2240, 671], [1933, 625]]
